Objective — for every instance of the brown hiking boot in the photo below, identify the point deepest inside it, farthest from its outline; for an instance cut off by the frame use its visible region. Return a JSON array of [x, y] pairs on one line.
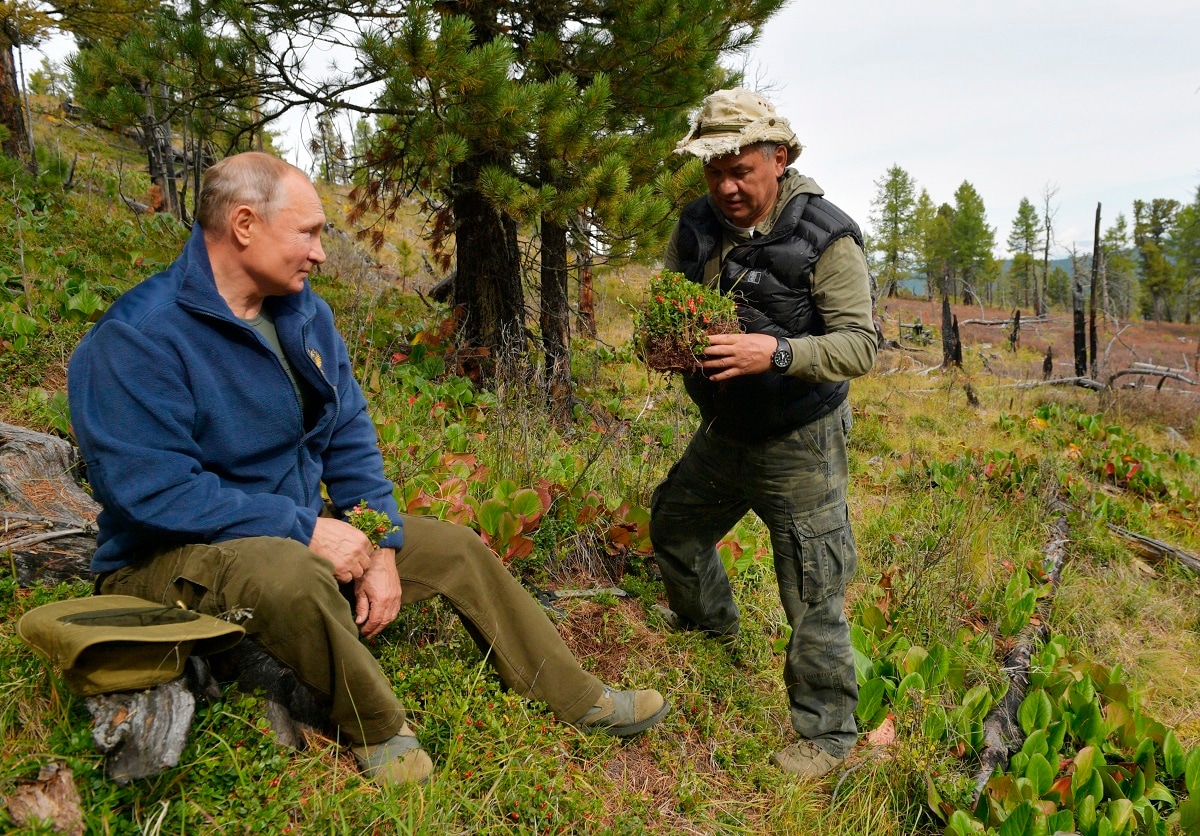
[[625, 713], [397, 760], [806, 760]]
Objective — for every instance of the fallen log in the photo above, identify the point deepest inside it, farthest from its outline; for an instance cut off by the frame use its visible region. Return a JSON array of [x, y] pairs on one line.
[[1160, 373], [1149, 547], [1156, 549], [1002, 734]]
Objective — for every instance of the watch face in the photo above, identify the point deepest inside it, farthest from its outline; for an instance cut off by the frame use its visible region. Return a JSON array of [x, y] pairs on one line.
[[782, 359]]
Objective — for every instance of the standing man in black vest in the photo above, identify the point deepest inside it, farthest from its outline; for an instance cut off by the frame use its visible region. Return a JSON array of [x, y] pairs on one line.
[[773, 407]]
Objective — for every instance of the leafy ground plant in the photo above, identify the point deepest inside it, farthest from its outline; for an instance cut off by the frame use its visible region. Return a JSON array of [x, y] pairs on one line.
[[673, 326]]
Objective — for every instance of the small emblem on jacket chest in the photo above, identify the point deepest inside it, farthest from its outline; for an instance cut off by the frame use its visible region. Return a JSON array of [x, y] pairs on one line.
[[316, 358]]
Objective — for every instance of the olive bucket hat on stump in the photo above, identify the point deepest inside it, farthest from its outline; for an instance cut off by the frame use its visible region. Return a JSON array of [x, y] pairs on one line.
[[107, 643]]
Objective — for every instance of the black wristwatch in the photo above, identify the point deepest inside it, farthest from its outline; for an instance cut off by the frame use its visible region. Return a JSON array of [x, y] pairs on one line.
[[781, 360]]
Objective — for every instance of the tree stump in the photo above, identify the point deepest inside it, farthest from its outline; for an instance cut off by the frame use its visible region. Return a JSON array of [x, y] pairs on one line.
[[47, 520]]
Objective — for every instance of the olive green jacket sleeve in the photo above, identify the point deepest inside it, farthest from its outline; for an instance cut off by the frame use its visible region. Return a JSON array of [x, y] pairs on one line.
[[842, 296]]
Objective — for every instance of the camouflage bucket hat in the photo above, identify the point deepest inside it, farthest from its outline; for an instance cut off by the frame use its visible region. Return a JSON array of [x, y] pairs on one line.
[[106, 643], [729, 120]]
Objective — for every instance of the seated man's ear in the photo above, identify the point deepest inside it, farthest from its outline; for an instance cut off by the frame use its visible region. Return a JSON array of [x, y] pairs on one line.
[[241, 223]]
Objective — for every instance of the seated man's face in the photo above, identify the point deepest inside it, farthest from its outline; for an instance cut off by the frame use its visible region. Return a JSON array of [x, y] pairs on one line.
[[284, 250], [745, 185]]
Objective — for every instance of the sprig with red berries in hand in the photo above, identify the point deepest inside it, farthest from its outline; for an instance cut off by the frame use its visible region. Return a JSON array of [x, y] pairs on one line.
[[375, 524]]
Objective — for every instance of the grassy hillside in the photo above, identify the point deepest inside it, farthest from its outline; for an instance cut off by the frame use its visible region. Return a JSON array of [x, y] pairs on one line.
[[953, 504]]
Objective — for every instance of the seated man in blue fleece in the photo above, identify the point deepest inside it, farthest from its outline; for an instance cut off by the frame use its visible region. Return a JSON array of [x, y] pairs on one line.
[[212, 402]]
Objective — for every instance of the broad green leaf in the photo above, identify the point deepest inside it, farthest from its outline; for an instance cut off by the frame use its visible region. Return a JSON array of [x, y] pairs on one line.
[[1035, 712], [870, 710], [1088, 725], [874, 622], [1055, 735], [1159, 792], [1191, 772], [490, 514], [1040, 774], [912, 682], [526, 502], [976, 702], [961, 824], [1173, 755], [1035, 744], [1019, 821], [1144, 756], [1189, 815], [935, 667], [861, 640], [1120, 815], [1062, 821], [863, 666], [913, 659], [1085, 813], [1085, 764], [1135, 787]]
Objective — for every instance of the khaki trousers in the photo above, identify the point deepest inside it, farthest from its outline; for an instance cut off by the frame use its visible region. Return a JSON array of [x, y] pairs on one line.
[[301, 616]]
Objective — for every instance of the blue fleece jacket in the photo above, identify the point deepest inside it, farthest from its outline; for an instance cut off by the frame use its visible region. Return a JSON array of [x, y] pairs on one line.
[[192, 431]]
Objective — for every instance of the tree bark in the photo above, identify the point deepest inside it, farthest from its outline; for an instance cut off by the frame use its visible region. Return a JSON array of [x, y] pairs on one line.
[[556, 320], [12, 114], [587, 296], [1080, 329], [951, 347], [47, 520], [487, 287]]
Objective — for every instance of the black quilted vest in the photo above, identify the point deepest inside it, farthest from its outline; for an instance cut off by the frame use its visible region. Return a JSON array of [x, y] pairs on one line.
[[770, 276]]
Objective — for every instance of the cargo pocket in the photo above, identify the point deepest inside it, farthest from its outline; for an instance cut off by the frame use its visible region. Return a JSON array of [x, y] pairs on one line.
[[826, 548], [198, 571]]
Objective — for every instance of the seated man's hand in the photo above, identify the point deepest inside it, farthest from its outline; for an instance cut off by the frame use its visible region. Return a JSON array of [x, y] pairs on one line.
[[377, 594], [731, 355], [347, 548]]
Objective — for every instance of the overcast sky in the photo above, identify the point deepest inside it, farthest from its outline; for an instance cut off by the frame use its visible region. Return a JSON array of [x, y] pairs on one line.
[[1100, 99]]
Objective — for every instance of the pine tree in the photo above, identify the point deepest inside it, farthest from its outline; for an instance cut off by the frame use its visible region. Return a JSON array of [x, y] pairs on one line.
[[1184, 247], [1118, 271], [933, 242], [1023, 243], [204, 96], [551, 115], [972, 240], [1161, 282], [894, 227]]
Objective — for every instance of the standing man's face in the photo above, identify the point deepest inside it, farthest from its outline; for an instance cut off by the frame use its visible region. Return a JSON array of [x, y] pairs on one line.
[[745, 184], [286, 248]]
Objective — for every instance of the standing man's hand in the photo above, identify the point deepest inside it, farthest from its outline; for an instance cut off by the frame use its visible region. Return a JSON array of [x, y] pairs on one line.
[[731, 355], [377, 594], [347, 548]]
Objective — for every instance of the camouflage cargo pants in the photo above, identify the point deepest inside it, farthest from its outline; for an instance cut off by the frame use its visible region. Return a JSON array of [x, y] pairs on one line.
[[796, 484]]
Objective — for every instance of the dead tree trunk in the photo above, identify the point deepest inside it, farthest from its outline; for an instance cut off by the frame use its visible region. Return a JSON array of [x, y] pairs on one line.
[[951, 345], [1080, 329]]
